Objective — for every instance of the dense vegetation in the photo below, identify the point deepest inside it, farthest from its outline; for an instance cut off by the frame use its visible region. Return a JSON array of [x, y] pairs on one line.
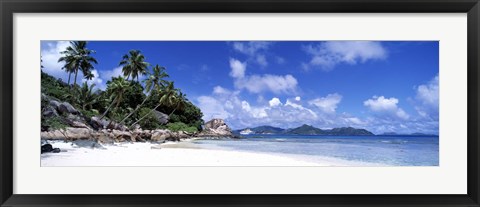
[[127, 99]]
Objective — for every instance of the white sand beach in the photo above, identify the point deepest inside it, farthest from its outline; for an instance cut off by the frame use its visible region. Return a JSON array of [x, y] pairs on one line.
[[174, 154]]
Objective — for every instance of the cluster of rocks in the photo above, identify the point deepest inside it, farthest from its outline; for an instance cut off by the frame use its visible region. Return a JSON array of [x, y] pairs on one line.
[[109, 136], [107, 132]]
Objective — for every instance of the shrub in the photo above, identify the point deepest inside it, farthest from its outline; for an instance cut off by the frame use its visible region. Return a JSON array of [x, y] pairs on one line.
[[149, 122], [54, 123], [180, 126]]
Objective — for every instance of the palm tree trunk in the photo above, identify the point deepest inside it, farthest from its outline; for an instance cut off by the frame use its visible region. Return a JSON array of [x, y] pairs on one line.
[[75, 81], [145, 115], [174, 109], [136, 109], [108, 109], [69, 75]]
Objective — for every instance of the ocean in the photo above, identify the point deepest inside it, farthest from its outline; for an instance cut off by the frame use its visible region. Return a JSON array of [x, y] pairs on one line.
[[392, 150]]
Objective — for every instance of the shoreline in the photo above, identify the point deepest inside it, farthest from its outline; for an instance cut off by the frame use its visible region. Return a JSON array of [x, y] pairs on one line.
[[177, 154]]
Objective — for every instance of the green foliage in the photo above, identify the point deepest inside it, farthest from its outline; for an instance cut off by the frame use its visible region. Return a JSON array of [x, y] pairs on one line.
[[150, 121], [89, 113], [54, 123], [190, 115], [134, 64], [180, 126], [122, 100], [78, 57], [132, 92], [53, 87]]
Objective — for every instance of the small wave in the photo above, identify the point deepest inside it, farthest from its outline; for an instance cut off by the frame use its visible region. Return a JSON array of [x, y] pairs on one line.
[[281, 140]]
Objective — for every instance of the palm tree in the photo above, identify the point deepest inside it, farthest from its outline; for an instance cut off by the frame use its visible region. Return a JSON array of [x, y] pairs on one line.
[[86, 96], [70, 65], [181, 99], [77, 57], [134, 64], [117, 89], [154, 82], [168, 98], [89, 76]]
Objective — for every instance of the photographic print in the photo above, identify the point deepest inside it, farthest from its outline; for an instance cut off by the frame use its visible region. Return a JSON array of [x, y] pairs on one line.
[[239, 103]]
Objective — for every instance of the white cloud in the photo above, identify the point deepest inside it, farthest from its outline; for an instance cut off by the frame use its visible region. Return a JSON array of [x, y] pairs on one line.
[[250, 48], [237, 68], [212, 108], [355, 120], [275, 102], [260, 83], [427, 99], [327, 104], [220, 90], [273, 83], [298, 98], [262, 60], [327, 55], [254, 50], [50, 55], [238, 113], [385, 106], [298, 106], [108, 74], [246, 106], [99, 83]]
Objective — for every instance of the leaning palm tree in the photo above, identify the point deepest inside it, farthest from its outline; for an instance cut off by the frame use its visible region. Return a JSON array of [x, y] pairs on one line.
[[181, 98], [154, 82], [134, 64], [168, 98], [77, 57], [117, 89]]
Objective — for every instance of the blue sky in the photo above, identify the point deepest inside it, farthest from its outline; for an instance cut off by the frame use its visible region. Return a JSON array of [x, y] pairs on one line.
[[380, 86]]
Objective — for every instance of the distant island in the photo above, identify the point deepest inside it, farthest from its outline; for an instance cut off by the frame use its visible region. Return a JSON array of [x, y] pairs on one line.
[[305, 130]]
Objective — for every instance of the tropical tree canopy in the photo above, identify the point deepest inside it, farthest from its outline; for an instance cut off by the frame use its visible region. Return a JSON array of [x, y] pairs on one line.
[[78, 57], [134, 64]]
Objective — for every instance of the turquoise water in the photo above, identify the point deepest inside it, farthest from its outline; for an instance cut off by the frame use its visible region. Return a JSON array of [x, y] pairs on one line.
[[384, 150]]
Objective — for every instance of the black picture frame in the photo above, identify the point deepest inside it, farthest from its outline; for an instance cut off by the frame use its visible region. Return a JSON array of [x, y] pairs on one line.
[[10, 7]]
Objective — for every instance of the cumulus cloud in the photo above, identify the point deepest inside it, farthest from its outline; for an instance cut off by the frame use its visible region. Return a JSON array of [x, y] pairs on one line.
[[255, 50], [427, 99], [385, 106], [275, 102], [327, 55], [327, 104], [251, 48], [273, 83], [96, 80], [50, 55], [212, 108], [220, 90], [261, 83], [237, 68], [240, 113]]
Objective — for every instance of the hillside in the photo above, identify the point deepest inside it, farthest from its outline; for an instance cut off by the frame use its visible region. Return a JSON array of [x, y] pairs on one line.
[[305, 130]]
